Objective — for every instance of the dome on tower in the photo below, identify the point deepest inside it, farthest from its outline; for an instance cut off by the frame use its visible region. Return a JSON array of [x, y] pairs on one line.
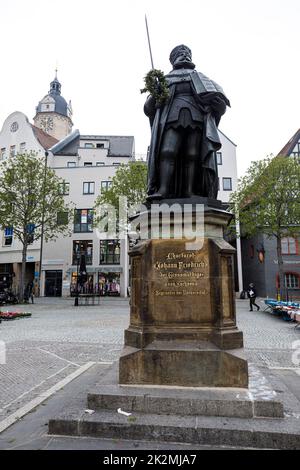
[[54, 102]]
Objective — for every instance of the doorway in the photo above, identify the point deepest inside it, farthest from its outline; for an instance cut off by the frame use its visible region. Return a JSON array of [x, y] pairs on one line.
[[53, 283]]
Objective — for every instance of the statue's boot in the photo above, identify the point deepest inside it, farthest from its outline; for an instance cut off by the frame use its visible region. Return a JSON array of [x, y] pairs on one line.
[[167, 174], [189, 179]]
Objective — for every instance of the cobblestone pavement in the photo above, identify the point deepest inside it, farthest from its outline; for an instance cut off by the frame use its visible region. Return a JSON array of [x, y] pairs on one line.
[[58, 339], [268, 340], [54, 342]]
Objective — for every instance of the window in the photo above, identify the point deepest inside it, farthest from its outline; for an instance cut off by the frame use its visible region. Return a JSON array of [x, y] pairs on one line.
[[62, 218], [105, 185], [227, 184], [2, 153], [83, 221], [71, 164], [8, 236], [289, 246], [30, 233], [88, 164], [116, 164], [22, 147], [291, 280], [100, 163], [12, 150], [64, 188], [89, 187], [100, 146], [88, 145], [109, 251], [296, 151], [14, 127], [219, 158], [82, 247]]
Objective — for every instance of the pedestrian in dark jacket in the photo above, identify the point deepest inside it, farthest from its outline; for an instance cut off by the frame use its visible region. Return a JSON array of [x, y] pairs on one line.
[[28, 294], [252, 296]]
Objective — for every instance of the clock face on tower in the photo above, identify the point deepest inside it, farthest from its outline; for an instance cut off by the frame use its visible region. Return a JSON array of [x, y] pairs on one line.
[[46, 124]]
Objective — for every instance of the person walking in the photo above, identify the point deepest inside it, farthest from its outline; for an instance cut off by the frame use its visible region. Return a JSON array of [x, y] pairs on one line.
[[29, 292], [252, 296]]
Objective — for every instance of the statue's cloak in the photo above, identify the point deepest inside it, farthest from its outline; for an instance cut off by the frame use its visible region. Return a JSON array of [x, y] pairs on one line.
[[204, 90]]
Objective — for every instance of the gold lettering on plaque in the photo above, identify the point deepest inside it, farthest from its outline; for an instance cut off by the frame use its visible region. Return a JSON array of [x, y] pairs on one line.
[[190, 274], [181, 271], [180, 265], [181, 255], [160, 293]]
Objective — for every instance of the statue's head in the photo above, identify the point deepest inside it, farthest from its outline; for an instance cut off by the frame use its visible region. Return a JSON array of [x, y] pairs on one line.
[[181, 56]]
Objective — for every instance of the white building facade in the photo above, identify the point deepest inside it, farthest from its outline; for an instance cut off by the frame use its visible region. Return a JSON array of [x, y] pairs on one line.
[[86, 164], [17, 136], [228, 180]]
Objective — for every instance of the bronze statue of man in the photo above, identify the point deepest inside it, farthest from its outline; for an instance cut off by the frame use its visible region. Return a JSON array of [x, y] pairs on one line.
[[184, 141]]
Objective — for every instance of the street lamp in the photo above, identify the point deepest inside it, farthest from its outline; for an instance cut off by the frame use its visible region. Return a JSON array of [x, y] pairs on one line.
[[42, 225], [77, 293], [81, 274]]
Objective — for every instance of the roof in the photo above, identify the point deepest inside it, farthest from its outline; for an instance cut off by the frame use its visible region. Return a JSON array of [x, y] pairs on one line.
[[44, 139], [67, 146], [120, 145], [289, 147], [227, 137], [61, 106]]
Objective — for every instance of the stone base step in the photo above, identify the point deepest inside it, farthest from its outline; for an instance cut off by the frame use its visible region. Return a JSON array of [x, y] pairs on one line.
[[258, 401], [217, 431], [184, 402]]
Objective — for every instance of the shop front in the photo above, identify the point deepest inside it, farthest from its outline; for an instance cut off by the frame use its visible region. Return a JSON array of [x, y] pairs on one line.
[[105, 282], [109, 284], [88, 287]]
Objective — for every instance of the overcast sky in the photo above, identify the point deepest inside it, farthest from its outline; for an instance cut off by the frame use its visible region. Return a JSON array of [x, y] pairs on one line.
[[250, 47]]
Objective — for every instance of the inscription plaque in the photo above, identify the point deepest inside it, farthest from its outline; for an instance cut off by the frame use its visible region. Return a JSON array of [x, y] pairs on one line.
[[180, 275]]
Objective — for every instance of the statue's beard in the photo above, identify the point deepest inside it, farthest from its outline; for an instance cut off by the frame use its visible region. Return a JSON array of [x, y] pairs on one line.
[[184, 65]]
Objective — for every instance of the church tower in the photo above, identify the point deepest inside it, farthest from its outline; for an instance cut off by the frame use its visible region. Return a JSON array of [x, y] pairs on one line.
[[53, 114]]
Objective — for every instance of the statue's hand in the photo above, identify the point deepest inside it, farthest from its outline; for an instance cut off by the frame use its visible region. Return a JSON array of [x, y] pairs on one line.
[[150, 106], [218, 105]]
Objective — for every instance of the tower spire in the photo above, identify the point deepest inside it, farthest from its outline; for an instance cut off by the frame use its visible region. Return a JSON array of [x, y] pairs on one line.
[[55, 86]]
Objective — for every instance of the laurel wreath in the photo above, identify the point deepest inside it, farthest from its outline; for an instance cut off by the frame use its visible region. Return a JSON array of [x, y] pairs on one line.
[[157, 85]]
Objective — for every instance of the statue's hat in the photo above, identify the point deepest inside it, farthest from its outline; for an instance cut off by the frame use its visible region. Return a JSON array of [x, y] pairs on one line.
[[177, 50]]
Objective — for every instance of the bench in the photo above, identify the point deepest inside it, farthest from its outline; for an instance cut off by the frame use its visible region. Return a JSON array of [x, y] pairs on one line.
[[88, 299]]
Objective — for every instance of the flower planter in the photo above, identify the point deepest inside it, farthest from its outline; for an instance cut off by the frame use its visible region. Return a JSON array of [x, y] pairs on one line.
[[13, 315]]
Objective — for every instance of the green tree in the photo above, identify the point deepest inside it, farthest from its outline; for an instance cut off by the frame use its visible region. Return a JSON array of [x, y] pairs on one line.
[[130, 181], [31, 203], [267, 201]]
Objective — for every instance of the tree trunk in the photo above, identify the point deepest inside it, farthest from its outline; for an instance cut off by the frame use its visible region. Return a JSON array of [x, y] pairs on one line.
[[23, 271], [282, 290]]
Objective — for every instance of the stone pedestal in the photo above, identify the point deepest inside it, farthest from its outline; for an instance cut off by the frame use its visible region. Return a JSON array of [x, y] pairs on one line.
[[182, 328]]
